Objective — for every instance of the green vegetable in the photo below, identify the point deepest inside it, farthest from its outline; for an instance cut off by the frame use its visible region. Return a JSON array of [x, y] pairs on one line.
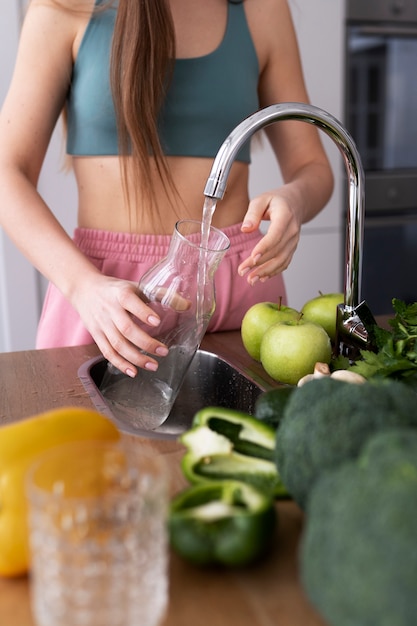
[[224, 522], [327, 421], [228, 444], [358, 557], [248, 434], [396, 354], [270, 405]]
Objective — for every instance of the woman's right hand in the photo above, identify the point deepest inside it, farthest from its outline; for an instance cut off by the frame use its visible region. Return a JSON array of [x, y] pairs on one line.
[[107, 307]]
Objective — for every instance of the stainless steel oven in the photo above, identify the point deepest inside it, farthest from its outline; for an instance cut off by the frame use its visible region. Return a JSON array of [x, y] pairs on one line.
[[381, 115]]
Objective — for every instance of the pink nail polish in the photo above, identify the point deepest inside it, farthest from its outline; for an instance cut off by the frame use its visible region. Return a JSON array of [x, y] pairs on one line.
[[151, 366], [155, 321]]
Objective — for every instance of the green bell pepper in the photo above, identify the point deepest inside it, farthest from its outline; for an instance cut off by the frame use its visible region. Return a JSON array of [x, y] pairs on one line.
[[228, 444], [223, 522]]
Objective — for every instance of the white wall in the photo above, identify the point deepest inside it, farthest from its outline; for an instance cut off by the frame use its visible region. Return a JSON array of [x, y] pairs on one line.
[[317, 262], [21, 287], [18, 280]]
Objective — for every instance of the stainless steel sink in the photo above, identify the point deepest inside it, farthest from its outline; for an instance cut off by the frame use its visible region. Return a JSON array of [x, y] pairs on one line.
[[210, 381]]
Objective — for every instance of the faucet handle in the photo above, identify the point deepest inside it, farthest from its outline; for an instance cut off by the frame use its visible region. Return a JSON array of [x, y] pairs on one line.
[[355, 330]]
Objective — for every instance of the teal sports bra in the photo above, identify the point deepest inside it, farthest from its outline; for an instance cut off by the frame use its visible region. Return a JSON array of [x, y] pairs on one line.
[[208, 96]]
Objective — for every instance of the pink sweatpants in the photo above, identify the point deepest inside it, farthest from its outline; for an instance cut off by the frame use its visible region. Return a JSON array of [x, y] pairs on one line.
[[127, 256]]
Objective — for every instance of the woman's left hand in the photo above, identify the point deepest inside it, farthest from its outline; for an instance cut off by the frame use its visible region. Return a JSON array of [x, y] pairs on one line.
[[273, 253]]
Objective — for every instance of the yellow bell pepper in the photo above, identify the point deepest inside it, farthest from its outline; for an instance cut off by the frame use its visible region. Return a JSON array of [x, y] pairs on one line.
[[20, 443]]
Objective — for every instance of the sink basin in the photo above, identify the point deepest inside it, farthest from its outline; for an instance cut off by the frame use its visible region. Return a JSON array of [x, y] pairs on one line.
[[210, 381]]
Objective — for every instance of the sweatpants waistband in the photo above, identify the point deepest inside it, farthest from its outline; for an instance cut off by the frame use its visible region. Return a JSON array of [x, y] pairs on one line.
[[138, 248]]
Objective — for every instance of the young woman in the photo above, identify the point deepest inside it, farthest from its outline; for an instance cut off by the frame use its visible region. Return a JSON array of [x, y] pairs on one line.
[[150, 90]]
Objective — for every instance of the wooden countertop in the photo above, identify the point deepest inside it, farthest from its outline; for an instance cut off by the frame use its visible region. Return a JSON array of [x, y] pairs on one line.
[[263, 595]]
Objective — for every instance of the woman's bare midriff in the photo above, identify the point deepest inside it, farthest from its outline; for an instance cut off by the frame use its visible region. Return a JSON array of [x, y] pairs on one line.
[[102, 204], [199, 29]]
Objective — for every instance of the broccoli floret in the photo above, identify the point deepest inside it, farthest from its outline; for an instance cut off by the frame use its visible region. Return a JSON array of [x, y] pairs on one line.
[[358, 562], [327, 421]]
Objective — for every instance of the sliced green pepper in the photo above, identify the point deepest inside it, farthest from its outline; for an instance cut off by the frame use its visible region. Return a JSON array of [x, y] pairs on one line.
[[248, 434], [228, 444], [224, 522]]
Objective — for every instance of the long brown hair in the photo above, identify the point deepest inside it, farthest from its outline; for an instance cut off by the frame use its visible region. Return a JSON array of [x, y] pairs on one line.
[[143, 53]]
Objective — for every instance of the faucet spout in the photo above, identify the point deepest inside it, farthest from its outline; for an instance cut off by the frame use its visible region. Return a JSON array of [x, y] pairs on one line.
[[353, 332]]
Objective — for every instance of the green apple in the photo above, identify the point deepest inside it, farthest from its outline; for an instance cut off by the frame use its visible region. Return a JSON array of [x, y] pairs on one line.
[[290, 350], [322, 310], [258, 319]]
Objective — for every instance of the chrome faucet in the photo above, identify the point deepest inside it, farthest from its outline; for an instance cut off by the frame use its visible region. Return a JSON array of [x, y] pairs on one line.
[[355, 321]]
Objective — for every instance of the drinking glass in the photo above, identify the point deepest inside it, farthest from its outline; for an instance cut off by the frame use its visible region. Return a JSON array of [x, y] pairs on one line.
[[97, 524]]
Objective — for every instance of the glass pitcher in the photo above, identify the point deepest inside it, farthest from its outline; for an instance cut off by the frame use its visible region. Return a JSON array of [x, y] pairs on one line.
[[180, 289]]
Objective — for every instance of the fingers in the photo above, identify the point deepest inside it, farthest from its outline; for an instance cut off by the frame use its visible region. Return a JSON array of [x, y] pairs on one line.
[[272, 255], [264, 271], [111, 313], [120, 347], [169, 297], [255, 213], [128, 341]]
